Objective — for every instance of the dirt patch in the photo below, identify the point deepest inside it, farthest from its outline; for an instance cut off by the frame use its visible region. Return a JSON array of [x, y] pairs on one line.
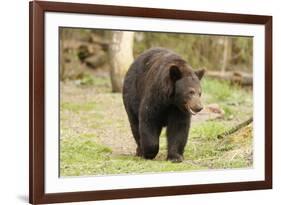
[[106, 119]]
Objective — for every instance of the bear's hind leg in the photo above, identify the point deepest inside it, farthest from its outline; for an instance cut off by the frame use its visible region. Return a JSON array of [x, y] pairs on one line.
[[135, 131], [134, 123]]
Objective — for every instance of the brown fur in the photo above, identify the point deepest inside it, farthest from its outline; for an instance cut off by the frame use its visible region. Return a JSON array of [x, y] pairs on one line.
[[156, 93]]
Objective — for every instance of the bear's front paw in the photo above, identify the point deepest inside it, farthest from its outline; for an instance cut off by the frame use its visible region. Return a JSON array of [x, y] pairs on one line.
[[175, 158]]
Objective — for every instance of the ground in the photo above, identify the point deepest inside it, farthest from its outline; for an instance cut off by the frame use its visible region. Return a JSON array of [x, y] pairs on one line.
[[95, 137]]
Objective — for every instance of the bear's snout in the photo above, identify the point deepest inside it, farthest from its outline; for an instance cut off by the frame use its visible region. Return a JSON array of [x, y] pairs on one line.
[[194, 109], [197, 108]]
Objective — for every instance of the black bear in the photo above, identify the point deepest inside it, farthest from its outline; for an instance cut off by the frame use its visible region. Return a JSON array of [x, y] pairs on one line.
[[160, 89]]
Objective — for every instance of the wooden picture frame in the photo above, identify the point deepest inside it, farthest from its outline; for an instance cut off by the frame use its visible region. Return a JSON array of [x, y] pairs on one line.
[[37, 10]]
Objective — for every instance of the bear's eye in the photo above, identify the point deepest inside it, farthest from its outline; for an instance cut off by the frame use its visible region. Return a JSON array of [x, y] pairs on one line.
[[191, 92], [200, 94]]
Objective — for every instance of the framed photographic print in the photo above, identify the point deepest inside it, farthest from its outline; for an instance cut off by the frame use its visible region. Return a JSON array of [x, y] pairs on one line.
[[138, 102]]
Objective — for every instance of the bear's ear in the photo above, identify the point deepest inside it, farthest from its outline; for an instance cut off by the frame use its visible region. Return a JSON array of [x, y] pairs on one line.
[[175, 73], [200, 73]]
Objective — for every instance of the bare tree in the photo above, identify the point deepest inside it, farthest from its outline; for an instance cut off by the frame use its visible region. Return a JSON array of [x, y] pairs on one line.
[[120, 57]]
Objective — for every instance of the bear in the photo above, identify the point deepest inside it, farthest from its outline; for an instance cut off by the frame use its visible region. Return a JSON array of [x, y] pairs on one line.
[[161, 90]]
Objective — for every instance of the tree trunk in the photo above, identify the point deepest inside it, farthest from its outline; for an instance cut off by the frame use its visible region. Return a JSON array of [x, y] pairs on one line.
[[226, 53], [62, 59], [120, 57]]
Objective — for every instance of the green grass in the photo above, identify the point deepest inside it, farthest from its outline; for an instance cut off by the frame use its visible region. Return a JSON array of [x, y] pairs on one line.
[[82, 155], [78, 107], [96, 138], [100, 82], [235, 101], [208, 130], [223, 91], [217, 91], [79, 157]]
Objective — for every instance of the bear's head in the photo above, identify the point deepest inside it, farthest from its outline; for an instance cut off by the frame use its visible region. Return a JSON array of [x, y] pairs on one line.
[[186, 88]]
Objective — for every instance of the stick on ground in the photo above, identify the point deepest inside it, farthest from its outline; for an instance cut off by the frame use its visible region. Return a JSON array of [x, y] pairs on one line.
[[235, 129]]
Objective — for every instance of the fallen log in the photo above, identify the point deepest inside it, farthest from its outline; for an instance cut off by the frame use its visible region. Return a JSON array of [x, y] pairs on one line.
[[235, 77]]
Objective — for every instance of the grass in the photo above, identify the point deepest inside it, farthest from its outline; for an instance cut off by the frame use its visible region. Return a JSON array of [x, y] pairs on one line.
[[77, 107], [96, 137], [223, 91], [86, 157]]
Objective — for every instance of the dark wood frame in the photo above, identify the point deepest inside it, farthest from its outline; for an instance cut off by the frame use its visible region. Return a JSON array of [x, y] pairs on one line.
[[36, 107]]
